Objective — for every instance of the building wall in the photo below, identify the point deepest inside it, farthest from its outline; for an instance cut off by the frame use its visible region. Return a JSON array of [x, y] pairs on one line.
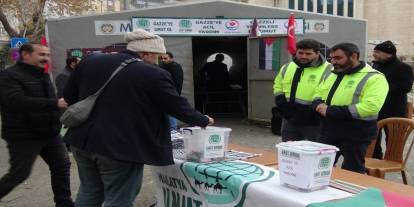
[[262, 2], [314, 3], [387, 20], [390, 21]]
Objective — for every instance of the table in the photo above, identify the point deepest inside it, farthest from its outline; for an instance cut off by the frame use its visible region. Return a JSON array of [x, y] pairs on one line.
[[369, 181], [269, 158], [248, 184], [229, 184]]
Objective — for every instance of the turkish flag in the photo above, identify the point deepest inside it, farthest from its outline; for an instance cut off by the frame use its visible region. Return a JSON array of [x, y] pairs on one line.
[[291, 35], [255, 31], [43, 41]]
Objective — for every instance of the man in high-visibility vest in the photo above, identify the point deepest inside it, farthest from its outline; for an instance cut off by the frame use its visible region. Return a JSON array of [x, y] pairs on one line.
[[349, 100], [294, 89]]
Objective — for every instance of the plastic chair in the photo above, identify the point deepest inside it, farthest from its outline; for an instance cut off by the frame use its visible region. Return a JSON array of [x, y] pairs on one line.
[[371, 148], [399, 130]]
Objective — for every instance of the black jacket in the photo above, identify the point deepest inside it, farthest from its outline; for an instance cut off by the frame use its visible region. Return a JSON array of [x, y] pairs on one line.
[[400, 79], [61, 81], [129, 121], [176, 73], [28, 104], [216, 76]]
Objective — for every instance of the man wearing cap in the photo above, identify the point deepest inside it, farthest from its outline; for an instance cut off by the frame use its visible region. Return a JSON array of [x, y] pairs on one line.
[[400, 79], [128, 126]]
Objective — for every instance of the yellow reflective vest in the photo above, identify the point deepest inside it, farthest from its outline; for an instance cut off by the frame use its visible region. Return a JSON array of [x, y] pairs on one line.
[[353, 106], [309, 81], [294, 90], [363, 92]]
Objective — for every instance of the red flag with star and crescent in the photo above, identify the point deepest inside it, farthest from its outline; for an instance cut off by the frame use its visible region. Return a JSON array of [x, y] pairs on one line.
[[43, 41], [291, 35]]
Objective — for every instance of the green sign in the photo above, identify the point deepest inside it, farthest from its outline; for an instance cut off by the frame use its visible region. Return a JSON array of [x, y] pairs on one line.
[[185, 23], [214, 139], [143, 23], [324, 163], [76, 53]]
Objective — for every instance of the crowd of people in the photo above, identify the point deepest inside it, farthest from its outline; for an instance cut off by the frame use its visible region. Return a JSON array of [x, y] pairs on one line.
[[125, 131], [336, 102], [339, 103]]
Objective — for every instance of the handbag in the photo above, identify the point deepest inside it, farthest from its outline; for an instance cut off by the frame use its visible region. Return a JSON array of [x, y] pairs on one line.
[[78, 113]]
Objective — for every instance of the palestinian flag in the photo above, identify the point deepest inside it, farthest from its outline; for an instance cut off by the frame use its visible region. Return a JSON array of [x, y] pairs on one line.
[[269, 53], [371, 197]]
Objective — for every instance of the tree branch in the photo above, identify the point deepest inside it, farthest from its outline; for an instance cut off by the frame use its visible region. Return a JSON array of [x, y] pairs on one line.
[[9, 29], [37, 19]]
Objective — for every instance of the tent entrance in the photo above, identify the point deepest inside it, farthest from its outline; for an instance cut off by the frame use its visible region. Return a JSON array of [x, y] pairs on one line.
[[220, 75]]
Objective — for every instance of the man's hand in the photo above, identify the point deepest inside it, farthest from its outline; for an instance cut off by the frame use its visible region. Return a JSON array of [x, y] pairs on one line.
[[321, 108], [210, 120], [62, 103]]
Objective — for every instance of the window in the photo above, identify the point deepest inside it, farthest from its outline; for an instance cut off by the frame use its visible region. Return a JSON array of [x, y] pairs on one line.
[[340, 11], [291, 4], [330, 7], [301, 5], [310, 5], [320, 6], [350, 8], [324, 50]]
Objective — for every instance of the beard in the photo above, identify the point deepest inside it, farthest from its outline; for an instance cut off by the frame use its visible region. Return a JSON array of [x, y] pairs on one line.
[[343, 67], [381, 60], [304, 61]]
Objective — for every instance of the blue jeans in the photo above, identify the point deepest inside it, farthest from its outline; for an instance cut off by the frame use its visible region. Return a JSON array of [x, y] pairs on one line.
[[173, 123], [106, 182]]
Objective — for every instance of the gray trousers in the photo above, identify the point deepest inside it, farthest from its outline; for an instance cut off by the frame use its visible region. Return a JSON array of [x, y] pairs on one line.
[[105, 182], [293, 132]]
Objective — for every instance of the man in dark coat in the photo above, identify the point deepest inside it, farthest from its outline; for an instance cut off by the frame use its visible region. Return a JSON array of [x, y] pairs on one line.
[[168, 63], [63, 77], [216, 74], [399, 76], [175, 69], [128, 126], [30, 123]]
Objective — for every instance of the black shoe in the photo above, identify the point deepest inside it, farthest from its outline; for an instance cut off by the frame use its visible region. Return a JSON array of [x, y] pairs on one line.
[[67, 204]]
